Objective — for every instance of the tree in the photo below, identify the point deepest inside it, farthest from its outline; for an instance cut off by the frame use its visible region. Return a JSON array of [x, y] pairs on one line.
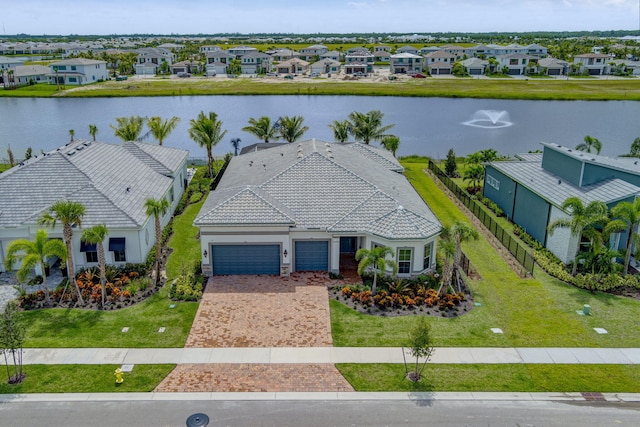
[[376, 260], [368, 127], [447, 246], [93, 131], [28, 153], [590, 143], [263, 129], [474, 174], [235, 143], [459, 232], [635, 148], [450, 164], [419, 346], [157, 209], [70, 214], [341, 130], [582, 219], [128, 128], [488, 155], [160, 129], [474, 158], [207, 132], [12, 161], [291, 128], [72, 134], [95, 236], [34, 254], [391, 143], [12, 332], [628, 213]]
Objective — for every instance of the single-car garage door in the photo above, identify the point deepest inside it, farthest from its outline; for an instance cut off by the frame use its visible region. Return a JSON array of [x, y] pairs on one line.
[[245, 259], [312, 255]]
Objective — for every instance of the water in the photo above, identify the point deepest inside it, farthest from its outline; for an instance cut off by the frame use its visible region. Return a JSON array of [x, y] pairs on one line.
[[489, 119], [426, 126]]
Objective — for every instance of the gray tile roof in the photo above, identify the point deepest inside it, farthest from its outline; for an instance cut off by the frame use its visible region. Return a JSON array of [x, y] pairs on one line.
[[317, 185], [108, 179]]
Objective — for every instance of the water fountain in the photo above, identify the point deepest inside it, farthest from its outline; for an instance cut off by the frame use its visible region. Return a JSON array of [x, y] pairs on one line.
[[489, 119]]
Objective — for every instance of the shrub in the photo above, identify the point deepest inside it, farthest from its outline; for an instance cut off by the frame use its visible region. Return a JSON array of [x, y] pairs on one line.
[[187, 286]]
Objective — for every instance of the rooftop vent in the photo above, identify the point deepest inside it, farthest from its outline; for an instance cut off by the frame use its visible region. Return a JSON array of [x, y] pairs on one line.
[[300, 155], [80, 147], [559, 182], [71, 153], [128, 189]]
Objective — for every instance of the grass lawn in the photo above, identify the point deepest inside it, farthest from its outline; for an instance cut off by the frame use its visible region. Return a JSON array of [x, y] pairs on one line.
[[85, 379], [496, 378], [538, 312], [38, 90], [186, 248]]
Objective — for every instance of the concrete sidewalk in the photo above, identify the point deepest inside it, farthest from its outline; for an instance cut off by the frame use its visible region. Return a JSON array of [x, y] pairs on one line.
[[454, 355]]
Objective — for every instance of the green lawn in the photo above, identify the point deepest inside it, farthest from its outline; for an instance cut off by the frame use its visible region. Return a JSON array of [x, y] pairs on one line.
[[186, 248], [496, 378], [85, 379], [38, 90], [538, 312]]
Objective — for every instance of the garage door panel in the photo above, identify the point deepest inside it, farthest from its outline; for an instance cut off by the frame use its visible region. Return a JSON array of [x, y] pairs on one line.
[[245, 259], [312, 256]]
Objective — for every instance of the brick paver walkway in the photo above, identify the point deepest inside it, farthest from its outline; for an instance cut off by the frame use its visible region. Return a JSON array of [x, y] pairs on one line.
[[254, 378], [263, 311]]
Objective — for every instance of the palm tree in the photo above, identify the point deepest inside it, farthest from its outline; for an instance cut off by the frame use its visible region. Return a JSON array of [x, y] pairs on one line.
[[157, 209], [291, 128], [459, 232], [488, 155], [160, 129], [590, 143], [341, 130], [368, 127], [93, 131], [72, 133], [376, 259], [95, 236], [629, 214], [448, 251], [207, 132], [583, 220], [391, 143], [475, 174], [263, 129], [235, 143], [129, 128], [34, 254]]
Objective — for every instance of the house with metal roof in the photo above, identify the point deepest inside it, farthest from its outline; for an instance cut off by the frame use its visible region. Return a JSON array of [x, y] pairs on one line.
[[532, 190], [112, 181], [302, 206]]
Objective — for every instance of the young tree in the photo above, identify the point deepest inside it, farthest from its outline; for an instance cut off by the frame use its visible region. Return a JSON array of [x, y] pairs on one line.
[[262, 129], [34, 254], [207, 132], [450, 164], [291, 128], [157, 208], [28, 153], [12, 332], [128, 128], [391, 143], [368, 127], [635, 148], [341, 130], [590, 143], [474, 174], [70, 214], [72, 134], [459, 232], [447, 246], [93, 131], [95, 236], [420, 347], [160, 129], [235, 143], [628, 217], [376, 260]]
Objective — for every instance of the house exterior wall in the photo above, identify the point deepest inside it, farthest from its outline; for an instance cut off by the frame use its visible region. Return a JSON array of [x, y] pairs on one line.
[[531, 212], [561, 242], [565, 167], [500, 189], [594, 173]]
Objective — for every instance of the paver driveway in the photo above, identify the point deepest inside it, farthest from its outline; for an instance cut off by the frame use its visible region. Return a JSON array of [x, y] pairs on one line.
[[263, 311]]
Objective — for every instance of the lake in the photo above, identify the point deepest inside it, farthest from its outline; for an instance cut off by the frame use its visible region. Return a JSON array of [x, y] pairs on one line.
[[426, 126]]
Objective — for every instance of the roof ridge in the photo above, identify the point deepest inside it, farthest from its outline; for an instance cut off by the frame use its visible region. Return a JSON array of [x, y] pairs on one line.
[[364, 201]]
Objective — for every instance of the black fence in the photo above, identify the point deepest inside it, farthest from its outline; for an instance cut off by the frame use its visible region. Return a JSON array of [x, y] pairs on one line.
[[515, 247]]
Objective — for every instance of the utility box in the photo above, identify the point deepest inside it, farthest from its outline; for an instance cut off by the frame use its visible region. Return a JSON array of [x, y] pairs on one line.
[[586, 309]]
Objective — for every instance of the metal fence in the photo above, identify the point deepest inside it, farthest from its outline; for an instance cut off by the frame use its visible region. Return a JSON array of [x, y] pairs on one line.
[[515, 247]]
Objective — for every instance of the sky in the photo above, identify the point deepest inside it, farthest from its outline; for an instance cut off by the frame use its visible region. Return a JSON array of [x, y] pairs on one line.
[[105, 17]]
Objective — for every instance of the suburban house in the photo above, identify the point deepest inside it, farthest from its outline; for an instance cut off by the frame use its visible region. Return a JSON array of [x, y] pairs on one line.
[[150, 58], [300, 206], [209, 48], [554, 67], [594, 64], [458, 52], [475, 66], [241, 50], [217, 62], [407, 49], [283, 55], [537, 50], [531, 191], [171, 46], [7, 63], [255, 63], [381, 53], [326, 66], [292, 66], [25, 74], [360, 61], [111, 181], [440, 62], [406, 63], [424, 51], [186, 67], [332, 54], [312, 52], [517, 64], [78, 71]]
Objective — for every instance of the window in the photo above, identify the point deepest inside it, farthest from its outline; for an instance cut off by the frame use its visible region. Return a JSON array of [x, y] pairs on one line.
[[493, 182], [171, 196], [72, 79], [91, 257], [73, 68], [90, 251], [427, 256], [404, 261], [117, 245], [119, 256]]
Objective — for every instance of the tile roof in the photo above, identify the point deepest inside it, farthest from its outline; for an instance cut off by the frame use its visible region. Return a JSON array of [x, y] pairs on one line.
[[317, 185]]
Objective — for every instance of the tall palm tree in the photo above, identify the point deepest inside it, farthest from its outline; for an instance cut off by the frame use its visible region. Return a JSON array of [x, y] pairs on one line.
[[629, 214], [447, 246], [590, 143], [32, 254], [70, 214], [376, 259], [207, 132], [95, 236], [459, 232], [157, 209], [128, 128], [263, 129], [291, 128], [341, 130], [391, 143], [235, 143], [93, 131], [160, 129], [367, 127], [583, 220]]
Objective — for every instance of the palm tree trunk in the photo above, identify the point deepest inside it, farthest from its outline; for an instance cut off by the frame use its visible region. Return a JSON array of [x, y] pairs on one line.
[[158, 247], [44, 285], [627, 256], [210, 162], [103, 276], [373, 286], [71, 273]]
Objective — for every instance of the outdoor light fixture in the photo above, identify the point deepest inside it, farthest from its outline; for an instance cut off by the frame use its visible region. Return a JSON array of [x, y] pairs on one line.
[[285, 253], [205, 253]]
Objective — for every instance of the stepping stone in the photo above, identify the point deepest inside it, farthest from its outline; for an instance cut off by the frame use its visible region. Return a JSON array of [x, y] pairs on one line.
[[161, 330], [125, 329], [496, 330], [172, 306], [127, 368], [601, 331]]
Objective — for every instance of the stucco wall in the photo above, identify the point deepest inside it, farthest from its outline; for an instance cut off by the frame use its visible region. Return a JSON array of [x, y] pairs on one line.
[[561, 242]]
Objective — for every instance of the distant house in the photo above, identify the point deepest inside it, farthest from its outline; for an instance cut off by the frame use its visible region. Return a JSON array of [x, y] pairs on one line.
[[382, 53], [191, 67], [458, 52], [553, 66], [537, 50], [594, 64], [255, 63], [531, 191], [440, 62], [407, 49], [293, 66], [218, 62], [358, 61], [326, 66], [311, 52], [25, 74], [78, 71], [7, 63], [427, 50], [332, 54], [406, 63], [238, 51], [171, 46], [516, 64], [111, 181], [209, 48], [280, 55], [150, 59], [475, 66]]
